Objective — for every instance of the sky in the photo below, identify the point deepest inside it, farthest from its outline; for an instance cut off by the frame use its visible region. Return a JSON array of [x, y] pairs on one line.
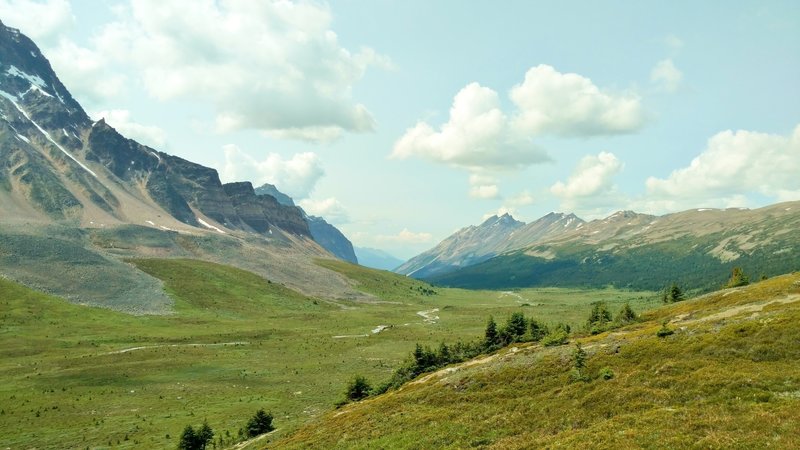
[[402, 121]]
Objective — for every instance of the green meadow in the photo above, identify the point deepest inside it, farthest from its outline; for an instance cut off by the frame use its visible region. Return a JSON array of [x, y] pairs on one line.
[[76, 376]]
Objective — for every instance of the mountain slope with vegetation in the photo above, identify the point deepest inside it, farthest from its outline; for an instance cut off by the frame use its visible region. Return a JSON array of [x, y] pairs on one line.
[[693, 248], [725, 370]]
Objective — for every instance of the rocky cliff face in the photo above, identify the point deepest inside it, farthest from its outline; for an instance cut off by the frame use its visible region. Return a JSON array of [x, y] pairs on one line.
[[331, 239], [261, 212]]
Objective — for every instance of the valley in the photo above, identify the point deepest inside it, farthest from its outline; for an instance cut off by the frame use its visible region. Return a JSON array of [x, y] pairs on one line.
[[76, 376]]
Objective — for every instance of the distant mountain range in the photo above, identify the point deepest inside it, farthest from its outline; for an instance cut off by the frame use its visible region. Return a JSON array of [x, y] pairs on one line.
[[377, 259], [475, 244], [696, 248], [59, 170]]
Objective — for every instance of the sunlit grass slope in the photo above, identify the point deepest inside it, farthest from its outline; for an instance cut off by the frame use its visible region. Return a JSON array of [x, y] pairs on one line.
[[75, 377], [727, 378]]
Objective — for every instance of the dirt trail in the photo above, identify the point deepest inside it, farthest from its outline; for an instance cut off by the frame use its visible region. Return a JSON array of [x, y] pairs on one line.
[[144, 347]]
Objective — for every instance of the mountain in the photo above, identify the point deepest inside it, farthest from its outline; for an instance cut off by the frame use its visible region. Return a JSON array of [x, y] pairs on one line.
[[377, 259], [271, 190], [696, 248], [331, 239], [323, 233], [74, 191], [475, 244]]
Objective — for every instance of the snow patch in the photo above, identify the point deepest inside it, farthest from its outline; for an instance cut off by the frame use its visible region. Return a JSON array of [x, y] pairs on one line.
[[33, 79], [704, 209], [208, 225], [45, 133], [65, 132], [23, 138], [156, 155], [150, 222]]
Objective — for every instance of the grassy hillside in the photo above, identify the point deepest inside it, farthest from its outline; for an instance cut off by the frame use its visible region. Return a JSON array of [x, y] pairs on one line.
[[74, 376], [726, 378]]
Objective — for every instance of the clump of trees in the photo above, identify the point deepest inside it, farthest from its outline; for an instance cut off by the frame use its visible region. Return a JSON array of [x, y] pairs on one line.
[[738, 278], [192, 439], [200, 438]]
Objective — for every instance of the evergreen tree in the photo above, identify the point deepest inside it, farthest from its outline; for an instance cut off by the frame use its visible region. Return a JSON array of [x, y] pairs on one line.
[[195, 440], [492, 337], [204, 435], [516, 326], [579, 363], [188, 439], [260, 423], [738, 278], [673, 294], [599, 318], [626, 314]]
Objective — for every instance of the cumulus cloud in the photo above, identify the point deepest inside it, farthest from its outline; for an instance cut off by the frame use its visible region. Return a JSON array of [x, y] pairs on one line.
[[666, 75], [523, 198], [568, 104], [477, 136], [733, 165], [482, 138], [121, 120], [88, 74], [295, 176], [483, 186], [270, 66], [592, 182], [43, 21], [329, 208]]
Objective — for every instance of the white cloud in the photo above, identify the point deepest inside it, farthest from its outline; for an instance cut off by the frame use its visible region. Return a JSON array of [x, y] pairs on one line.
[[406, 237], [88, 75], [523, 198], [296, 176], [568, 104], [42, 21], [666, 75], [484, 191], [477, 136], [483, 186], [732, 166], [329, 208], [270, 66], [481, 138], [121, 120], [591, 183], [273, 66], [674, 43]]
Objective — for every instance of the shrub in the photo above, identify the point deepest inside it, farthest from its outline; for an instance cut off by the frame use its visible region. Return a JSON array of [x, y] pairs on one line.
[[606, 373], [358, 389], [538, 330], [556, 337], [664, 331]]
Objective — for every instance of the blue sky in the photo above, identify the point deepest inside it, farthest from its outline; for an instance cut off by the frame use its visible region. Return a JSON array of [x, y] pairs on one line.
[[403, 121]]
